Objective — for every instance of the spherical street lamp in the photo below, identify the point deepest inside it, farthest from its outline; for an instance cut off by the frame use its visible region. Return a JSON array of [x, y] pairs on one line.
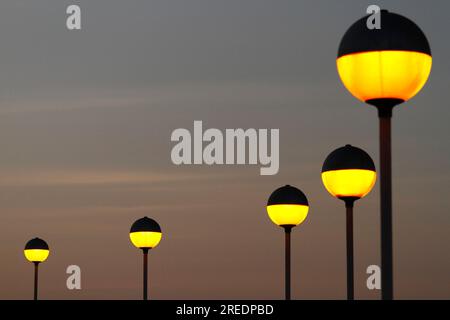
[[145, 234], [385, 67], [36, 251], [348, 173], [287, 207]]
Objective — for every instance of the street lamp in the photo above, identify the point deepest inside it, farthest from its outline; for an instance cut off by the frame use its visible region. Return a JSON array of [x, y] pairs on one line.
[[145, 234], [36, 251], [385, 67], [287, 207], [348, 173]]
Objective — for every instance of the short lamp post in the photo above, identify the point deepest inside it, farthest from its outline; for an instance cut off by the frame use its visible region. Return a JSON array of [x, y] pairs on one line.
[[287, 207], [36, 251], [348, 174], [145, 234]]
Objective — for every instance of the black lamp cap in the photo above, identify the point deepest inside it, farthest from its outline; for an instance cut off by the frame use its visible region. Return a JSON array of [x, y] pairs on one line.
[[36, 243], [348, 157], [145, 224], [397, 33], [287, 195]]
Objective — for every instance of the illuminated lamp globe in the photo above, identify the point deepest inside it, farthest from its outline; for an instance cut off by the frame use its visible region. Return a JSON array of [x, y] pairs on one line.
[[36, 250], [287, 207], [145, 233], [348, 173]]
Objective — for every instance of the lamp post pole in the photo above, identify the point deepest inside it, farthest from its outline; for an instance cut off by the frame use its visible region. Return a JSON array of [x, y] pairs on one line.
[[36, 251], [145, 281], [348, 173], [350, 263], [287, 256], [36, 273], [384, 68], [287, 207], [145, 234]]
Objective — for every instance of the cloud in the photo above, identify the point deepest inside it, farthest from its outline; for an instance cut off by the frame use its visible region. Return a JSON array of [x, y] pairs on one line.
[[178, 94]]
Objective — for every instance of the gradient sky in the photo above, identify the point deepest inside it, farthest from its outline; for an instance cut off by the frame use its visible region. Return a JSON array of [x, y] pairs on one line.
[[85, 124]]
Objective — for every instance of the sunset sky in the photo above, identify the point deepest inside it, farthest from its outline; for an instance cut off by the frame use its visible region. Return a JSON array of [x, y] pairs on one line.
[[85, 124]]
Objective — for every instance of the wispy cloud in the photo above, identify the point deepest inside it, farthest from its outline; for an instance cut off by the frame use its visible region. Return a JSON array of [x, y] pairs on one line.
[[74, 177]]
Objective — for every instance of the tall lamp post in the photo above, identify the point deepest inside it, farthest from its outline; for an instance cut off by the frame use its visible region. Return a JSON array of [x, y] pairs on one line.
[[287, 207], [36, 251], [348, 173], [145, 234], [385, 67]]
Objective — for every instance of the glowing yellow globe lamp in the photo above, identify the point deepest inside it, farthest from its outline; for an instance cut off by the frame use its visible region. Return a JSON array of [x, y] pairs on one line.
[[387, 66], [384, 68], [348, 173], [145, 234], [36, 251], [287, 207]]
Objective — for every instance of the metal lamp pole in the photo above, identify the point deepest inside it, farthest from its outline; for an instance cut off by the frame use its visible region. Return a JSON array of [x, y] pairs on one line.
[[145, 277], [287, 232], [36, 275]]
